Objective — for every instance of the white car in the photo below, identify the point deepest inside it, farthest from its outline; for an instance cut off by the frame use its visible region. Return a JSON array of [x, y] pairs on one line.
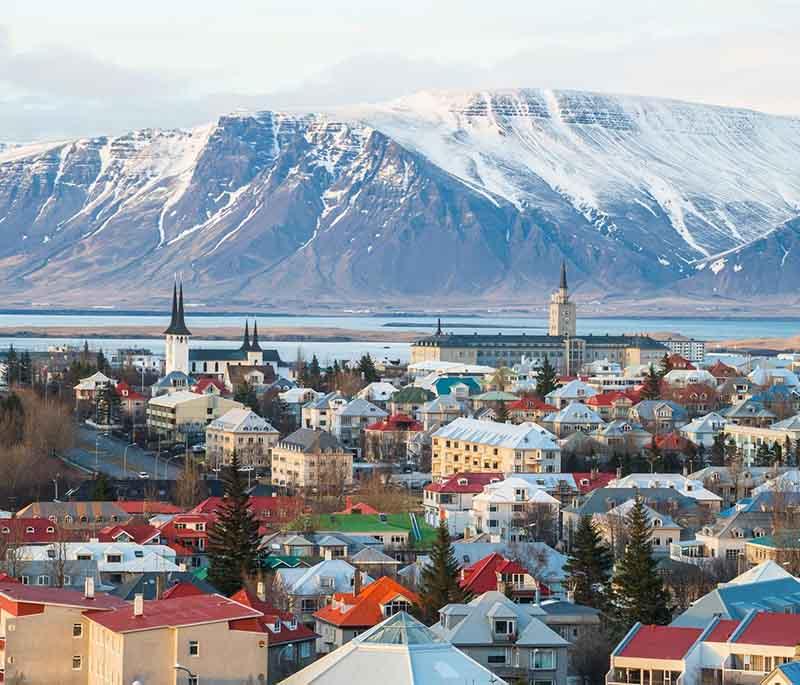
[[144, 474]]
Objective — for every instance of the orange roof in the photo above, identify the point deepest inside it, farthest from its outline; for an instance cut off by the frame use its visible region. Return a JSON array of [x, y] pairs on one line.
[[365, 610], [530, 404], [182, 589]]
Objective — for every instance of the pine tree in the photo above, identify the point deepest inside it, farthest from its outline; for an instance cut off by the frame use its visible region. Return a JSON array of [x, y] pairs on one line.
[[763, 455], [718, 450], [25, 373], [246, 394], [638, 590], [546, 379], [233, 539], [107, 406], [501, 413], [314, 373], [439, 581], [102, 362], [101, 488], [366, 367], [12, 367], [666, 365], [589, 565], [651, 390]]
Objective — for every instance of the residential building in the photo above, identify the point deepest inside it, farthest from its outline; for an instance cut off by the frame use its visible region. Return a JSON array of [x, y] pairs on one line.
[[782, 547], [378, 393], [184, 415], [573, 391], [187, 536], [318, 413], [748, 438], [386, 440], [350, 420], [295, 399], [87, 388], [690, 349], [84, 515], [497, 573], [309, 589], [574, 417], [133, 404], [450, 499], [244, 432], [704, 429], [676, 481], [659, 416], [529, 409], [351, 613], [750, 413], [611, 405], [506, 638], [410, 400], [309, 459], [487, 446], [400, 647], [613, 526], [621, 437], [720, 480], [441, 411]]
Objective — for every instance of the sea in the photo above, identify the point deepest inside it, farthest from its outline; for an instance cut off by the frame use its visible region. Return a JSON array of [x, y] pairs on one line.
[[328, 351]]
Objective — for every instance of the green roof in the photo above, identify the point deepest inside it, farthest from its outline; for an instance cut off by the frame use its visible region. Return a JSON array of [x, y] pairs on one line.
[[369, 524], [445, 385], [496, 396], [786, 539], [275, 561], [412, 395], [201, 573]]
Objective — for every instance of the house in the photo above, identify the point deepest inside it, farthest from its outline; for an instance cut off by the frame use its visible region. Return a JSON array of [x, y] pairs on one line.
[[748, 412], [506, 638], [400, 648], [309, 459], [378, 393], [71, 574], [720, 480], [87, 388], [140, 533], [621, 437], [309, 589], [683, 378], [441, 411], [487, 446], [573, 391], [318, 413], [676, 481], [85, 515], [209, 635], [258, 377], [272, 512], [187, 536], [450, 498], [659, 416], [386, 440], [210, 385], [153, 585], [529, 409], [183, 415], [497, 573], [722, 371], [350, 420], [291, 645], [132, 404], [295, 399], [750, 437], [697, 398], [244, 432], [782, 547], [572, 418], [612, 526], [515, 510], [410, 400], [611, 405], [31, 531], [703, 430], [672, 444], [351, 613]]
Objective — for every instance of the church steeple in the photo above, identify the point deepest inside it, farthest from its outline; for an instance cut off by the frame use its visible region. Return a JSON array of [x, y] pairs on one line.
[[563, 284], [177, 323], [246, 341], [254, 346], [438, 327]]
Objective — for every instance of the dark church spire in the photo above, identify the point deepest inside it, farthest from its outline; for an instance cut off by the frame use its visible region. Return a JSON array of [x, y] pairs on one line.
[[177, 323], [246, 342], [254, 346], [563, 284], [438, 327]]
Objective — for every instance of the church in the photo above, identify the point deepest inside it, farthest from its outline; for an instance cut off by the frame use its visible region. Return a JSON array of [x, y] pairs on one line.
[[219, 363]]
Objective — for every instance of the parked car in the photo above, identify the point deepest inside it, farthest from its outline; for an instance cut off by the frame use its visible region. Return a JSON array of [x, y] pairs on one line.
[[144, 474]]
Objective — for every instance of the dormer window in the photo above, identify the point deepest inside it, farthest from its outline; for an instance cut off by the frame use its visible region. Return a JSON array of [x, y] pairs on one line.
[[327, 581], [463, 481], [277, 627], [657, 523], [29, 530], [503, 627]]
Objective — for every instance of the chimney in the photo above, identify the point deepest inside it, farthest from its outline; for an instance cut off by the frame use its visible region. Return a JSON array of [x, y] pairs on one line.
[[348, 503], [619, 472], [138, 604], [159, 586], [88, 587], [357, 582], [571, 596], [261, 591], [538, 594]]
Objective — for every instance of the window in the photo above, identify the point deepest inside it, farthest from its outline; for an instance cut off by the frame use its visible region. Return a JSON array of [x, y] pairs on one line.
[[67, 581], [113, 558], [503, 627], [193, 680], [543, 659], [308, 605], [305, 650], [76, 663], [77, 630], [26, 580], [138, 553], [43, 580], [497, 657], [395, 606], [194, 648], [83, 557]]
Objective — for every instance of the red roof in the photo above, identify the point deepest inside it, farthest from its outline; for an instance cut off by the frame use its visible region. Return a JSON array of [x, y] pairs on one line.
[[280, 509], [17, 594], [676, 361], [464, 483], [720, 370], [671, 442], [141, 534], [767, 628], [722, 631], [357, 508], [364, 610], [126, 392], [169, 613], [482, 575], [660, 642], [32, 531], [270, 615], [143, 507], [606, 399], [203, 384], [182, 589], [588, 482], [530, 404], [396, 422]]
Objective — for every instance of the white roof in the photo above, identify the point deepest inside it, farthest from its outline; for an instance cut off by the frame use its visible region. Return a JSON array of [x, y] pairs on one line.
[[685, 376], [789, 481], [523, 436], [705, 424], [397, 651], [361, 407], [767, 570], [136, 558], [764, 376], [440, 367], [504, 491], [91, 382], [378, 391], [241, 420], [624, 509], [306, 581], [686, 486], [575, 412], [176, 398], [576, 388], [298, 395]]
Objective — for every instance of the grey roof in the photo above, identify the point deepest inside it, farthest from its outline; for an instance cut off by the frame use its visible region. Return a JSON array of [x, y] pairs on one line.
[[560, 607], [475, 629], [370, 555], [147, 584], [646, 409], [168, 381], [361, 407], [310, 440], [325, 401], [748, 408], [522, 340], [331, 541], [601, 500]]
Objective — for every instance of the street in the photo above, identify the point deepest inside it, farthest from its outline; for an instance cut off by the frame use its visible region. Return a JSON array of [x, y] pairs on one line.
[[98, 451]]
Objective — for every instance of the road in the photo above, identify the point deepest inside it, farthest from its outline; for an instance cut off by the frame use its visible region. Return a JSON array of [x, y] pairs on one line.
[[97, 451]]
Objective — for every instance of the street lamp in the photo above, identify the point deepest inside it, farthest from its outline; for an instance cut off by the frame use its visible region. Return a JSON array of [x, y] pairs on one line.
[[191, 676], [125, 460]]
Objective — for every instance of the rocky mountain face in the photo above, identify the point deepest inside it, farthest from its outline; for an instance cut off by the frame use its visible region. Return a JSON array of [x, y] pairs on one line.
[[464, 198]]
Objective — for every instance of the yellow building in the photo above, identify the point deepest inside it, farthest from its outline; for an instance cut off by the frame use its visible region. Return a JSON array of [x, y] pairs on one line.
[[311, 459], [244, 432], [184, 413], [474, 446]]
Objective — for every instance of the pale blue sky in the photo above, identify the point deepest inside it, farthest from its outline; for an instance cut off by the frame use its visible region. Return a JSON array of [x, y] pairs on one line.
[[88, 67]]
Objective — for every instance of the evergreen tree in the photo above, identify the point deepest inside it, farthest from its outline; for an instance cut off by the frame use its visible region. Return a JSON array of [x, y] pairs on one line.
[[589, 565], [102, 362], [665, 366], [651, 390], [366, 367], [233, 539], [777, 452], [12, 367], [246, 394], [701, 455], [107, 406], [101, 489], [546, 378], [718, 450], [25, 373], [763, 455], [439, 581], [787, 451], [638, 590], [314, 373], [501, 413]]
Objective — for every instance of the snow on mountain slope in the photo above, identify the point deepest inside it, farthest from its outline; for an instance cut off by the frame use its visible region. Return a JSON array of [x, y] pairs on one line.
[[475, 195]]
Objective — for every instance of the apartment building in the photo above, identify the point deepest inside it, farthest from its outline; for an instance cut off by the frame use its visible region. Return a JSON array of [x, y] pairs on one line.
[[244, 432], [450, 499], [184, 414], [310, 459], [487, 446]]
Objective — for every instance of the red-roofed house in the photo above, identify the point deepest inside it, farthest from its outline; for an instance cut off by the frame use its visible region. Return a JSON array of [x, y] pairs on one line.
[[292, 645], [722, 371], [611, 405], [143, 534], [210, 386], [349, 614], [33, 531], [497, 573], [146, 509], [357, 508], [182, 589], [270, 511], [215, 638], [451, 498], [187, 534], [132, 403], [676, 361], [529, 409], [672, 443], [387, 440], [698, 398], [593, 480]]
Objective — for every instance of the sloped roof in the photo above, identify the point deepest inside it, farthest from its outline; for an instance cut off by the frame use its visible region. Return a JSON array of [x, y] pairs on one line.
[[270, 613], [464, 482], [365, 609], [660, 642], [523, 436], [575, 412], [242, 420], [481, 576], [361, 407], [310, 440]]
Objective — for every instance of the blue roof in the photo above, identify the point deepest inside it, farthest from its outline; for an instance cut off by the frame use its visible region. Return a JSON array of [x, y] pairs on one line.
[[791, 671], [444, 386]]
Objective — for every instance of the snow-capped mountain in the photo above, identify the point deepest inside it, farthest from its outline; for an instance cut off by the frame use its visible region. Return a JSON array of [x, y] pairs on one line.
[[469, 196]]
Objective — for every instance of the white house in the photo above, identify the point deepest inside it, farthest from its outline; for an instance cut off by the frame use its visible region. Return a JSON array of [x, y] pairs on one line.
[[574, 391], [704, 429]]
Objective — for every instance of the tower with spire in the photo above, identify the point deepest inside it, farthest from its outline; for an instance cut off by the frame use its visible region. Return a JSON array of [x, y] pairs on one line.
[[562, 319], [177, 334]]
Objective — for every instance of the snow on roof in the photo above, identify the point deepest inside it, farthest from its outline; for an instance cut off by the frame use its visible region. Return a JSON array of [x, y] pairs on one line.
[[575, 388], [244, 419], [361, 407], [506, 491], [134, 558], [307, 581], [684, 485], [175, 398], [575, 412], [523, 436], [710, 423]]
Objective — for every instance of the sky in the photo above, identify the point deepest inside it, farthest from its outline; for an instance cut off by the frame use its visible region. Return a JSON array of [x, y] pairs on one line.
[[92, 67]]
